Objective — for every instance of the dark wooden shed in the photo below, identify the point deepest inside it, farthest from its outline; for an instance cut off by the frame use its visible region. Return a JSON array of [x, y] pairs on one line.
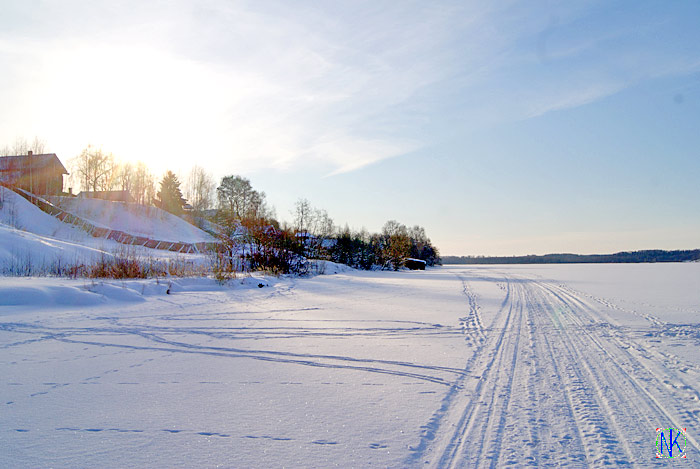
[[415, 264]]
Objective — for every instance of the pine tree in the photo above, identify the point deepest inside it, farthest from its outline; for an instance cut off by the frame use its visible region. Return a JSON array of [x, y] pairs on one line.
[[170, 195]]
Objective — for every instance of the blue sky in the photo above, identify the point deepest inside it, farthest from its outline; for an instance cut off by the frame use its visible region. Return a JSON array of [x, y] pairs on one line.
[[501, 127]]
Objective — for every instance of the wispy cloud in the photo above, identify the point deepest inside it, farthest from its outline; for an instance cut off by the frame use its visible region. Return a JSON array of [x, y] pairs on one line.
[[332, 86], [249, 87]]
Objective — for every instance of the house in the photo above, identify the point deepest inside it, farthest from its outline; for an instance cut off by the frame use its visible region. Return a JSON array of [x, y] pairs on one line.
[[38, 174], [304, 237], [112, 196]]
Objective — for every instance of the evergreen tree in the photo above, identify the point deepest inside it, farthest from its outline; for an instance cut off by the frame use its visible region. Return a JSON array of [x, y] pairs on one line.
[[170, 195]]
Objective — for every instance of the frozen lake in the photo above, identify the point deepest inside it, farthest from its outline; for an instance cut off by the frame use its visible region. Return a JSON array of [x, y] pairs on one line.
[[458, 366]]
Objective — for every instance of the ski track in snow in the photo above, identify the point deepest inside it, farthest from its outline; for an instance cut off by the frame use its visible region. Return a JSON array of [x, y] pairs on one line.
[[553, 382]]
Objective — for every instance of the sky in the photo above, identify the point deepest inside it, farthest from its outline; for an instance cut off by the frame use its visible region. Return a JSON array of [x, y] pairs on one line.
[[503, 128]]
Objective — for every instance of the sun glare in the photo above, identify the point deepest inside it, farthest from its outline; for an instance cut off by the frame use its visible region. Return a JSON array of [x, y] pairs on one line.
[[138, 104]]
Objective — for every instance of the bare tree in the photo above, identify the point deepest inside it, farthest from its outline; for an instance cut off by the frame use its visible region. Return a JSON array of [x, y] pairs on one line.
[[22, 147], [303, 215], [323, 226], [143, 184], [94, 168], [199, 188], [124, 177], [322, 230]]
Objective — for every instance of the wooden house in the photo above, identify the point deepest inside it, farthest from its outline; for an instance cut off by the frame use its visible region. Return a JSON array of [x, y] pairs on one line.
[[38, 174]]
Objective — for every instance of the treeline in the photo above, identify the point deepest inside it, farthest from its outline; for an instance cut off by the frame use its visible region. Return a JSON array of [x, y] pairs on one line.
[[389, 249], [250, 234], [253, 238], [617, 258]]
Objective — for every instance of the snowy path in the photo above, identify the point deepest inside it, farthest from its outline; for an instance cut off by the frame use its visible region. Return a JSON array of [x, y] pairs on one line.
[[454, 367], [555, 382]]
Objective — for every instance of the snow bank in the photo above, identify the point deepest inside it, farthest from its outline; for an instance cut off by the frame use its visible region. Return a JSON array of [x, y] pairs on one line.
[[44, 293], [22, 251], [32, 292]]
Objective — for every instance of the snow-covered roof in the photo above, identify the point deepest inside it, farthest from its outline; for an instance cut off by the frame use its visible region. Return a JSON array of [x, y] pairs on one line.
[[304, 234], [415, 260]]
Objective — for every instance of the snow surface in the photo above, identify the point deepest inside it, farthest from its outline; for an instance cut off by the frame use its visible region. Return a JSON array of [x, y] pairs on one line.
[[460, 366]]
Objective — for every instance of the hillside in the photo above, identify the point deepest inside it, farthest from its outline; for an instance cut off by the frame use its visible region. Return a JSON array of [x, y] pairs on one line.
[[32, 241], [135, 219]]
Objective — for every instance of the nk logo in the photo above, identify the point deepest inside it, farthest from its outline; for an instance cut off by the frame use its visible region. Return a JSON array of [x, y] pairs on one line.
[[670, 443]]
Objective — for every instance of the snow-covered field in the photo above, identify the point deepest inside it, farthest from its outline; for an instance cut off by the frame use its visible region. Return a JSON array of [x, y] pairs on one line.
[[460, 366]]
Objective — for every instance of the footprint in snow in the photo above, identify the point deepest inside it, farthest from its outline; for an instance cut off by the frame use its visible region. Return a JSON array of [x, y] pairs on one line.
[[377, 446]]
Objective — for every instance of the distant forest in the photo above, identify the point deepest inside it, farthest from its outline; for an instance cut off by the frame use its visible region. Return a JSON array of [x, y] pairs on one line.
[[617, 258]]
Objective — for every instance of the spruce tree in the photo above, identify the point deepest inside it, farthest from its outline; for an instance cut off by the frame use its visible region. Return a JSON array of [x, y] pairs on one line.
[[170, 195]]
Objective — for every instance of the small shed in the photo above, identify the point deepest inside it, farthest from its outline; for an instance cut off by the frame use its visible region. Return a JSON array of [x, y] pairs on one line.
[[38, 174], [415, 264]]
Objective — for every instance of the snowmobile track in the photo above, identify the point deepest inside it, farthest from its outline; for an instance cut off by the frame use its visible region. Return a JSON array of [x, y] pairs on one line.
[[552, 382]]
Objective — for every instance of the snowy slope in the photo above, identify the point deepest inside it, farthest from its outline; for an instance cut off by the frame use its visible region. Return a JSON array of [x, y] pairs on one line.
[[19, 213], [469, 366], [32, 240], [134, 219]]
